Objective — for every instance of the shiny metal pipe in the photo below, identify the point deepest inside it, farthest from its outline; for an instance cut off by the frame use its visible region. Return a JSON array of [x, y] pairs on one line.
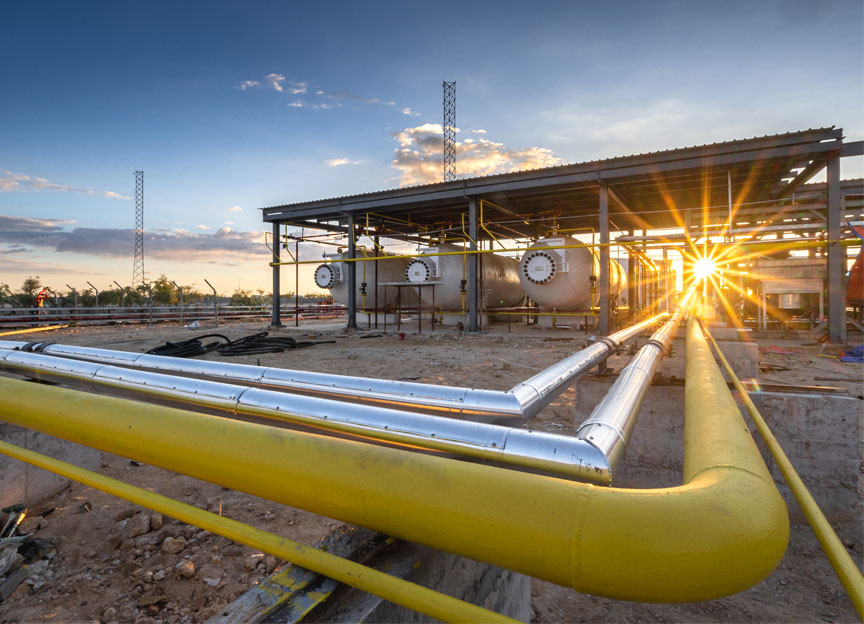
[[512, 407], [558, 455], [611, 423]]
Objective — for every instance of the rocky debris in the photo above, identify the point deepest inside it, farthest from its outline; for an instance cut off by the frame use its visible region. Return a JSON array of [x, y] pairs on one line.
[[185, 568], [173, 545], [252, 561], [139, 524], [156, 522]]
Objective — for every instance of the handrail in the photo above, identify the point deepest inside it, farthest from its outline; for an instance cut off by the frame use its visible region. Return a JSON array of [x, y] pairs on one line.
[[396, 590], [721, 532], [848, 573]]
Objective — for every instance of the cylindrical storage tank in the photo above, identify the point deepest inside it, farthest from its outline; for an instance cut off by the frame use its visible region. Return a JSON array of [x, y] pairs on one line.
[[500, 287], [334, 277], [560, 279]]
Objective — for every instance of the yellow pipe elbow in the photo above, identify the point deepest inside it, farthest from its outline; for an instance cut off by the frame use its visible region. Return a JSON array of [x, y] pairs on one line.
[[722, 531]]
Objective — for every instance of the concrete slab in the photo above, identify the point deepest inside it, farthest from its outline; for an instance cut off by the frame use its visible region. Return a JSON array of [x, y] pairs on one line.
[[23, 483], [821, 434]]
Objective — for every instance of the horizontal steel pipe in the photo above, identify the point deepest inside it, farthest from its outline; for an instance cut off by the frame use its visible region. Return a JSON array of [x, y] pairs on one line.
[[505, 446], [612, 421], [721, 532], [396, 590], [512, 407]]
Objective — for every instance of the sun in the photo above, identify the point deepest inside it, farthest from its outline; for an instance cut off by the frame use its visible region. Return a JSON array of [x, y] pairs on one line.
[[704, 268]]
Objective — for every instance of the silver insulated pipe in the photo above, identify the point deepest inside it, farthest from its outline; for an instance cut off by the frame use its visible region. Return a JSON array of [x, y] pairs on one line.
[[547, 453], [512, 407], [611, 423]]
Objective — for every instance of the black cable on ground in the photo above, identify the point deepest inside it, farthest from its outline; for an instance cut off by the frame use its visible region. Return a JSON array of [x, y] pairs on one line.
[[188, 348], [248, 345], [260, 343]]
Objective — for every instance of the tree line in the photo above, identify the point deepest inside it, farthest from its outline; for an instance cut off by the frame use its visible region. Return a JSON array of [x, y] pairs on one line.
[[163, 290]]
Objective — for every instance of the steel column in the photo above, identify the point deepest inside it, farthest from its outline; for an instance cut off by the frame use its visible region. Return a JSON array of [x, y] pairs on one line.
[[473, 287], [352, 274], [603, 276], [836, 255], [277, 303]]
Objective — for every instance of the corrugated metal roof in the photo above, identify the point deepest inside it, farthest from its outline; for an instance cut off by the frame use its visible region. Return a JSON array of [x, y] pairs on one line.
[[669, 152]]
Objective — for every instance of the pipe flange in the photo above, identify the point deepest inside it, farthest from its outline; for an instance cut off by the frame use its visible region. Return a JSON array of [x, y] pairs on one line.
[[418, 271], [539, 267], [325, 276], [663, 348], [34, 347], [613, 346]]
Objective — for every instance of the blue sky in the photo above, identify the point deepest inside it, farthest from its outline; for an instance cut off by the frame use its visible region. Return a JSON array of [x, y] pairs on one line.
[[92, 91]]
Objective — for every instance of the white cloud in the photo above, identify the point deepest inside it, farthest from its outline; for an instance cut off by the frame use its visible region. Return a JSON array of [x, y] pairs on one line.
[[323, 106], [479, 131], [229, 223], [408, 111], [296, 104], [338, 162], [235, 209], [275, 81], [11, 181], [419, 156], [203, 227], [247, 84], [297, 88], [319, 92]]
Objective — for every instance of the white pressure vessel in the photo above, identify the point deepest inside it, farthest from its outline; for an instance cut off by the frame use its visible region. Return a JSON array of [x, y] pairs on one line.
[[334, 277], [499, 288], [560, 279]]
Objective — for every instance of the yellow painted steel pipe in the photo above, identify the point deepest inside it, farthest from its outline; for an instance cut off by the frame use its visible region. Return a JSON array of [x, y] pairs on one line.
[[396, 590], [848, 573], [774, 244], [33, 330], [720, 533]]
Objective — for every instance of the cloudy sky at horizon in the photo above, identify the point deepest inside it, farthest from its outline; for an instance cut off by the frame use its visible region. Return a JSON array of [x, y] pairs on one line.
[[229, 107]]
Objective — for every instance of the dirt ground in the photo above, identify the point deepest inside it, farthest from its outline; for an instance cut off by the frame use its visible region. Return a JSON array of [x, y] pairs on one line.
[[116, 562]]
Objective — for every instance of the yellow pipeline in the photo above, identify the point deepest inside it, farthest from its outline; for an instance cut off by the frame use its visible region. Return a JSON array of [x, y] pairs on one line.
[[396, 590], [33, 330], [775, 246], [720, 533], [848, 573]]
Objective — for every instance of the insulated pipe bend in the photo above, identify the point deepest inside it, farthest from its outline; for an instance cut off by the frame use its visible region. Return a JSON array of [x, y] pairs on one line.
[[511, 408], [721, 532]]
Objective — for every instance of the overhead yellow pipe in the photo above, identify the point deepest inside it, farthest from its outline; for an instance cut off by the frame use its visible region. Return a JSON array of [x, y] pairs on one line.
[[775, 246], [720, 533], [396, 590], [848, 573]]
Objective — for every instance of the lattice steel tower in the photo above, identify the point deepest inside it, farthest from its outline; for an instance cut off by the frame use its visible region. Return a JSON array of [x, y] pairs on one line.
[[138, 263], [449, 131]]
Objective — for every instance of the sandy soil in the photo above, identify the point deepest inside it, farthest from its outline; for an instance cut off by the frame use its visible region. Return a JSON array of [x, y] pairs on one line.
[[115, 562]]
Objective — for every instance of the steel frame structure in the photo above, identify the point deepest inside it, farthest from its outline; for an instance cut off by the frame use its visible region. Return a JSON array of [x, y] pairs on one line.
[[766, 178]]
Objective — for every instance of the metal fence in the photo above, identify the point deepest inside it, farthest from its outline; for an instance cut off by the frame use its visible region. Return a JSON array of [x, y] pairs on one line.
[[106, 315]]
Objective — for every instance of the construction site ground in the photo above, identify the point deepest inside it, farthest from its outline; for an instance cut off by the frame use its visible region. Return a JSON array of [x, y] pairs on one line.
[[116, 562]]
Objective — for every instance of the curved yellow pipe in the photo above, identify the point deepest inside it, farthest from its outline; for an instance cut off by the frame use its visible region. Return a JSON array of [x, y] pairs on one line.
[[720, 533], [848, 573]]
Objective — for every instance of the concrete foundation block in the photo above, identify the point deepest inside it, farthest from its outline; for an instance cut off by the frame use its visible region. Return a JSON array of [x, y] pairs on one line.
[[22, 483], [821, 434], [482, 584]]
